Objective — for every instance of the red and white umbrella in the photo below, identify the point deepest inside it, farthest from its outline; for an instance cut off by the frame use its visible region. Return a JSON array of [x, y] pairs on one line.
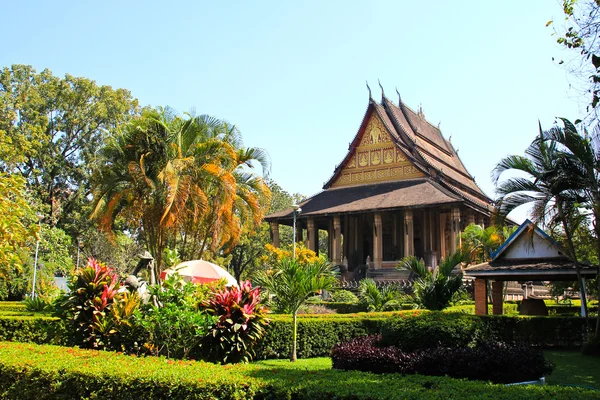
[[200, 271]]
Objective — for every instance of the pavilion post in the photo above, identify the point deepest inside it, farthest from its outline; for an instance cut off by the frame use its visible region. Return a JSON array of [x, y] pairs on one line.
[[312, 235], [481, 296], [275, 233], [497, 298]]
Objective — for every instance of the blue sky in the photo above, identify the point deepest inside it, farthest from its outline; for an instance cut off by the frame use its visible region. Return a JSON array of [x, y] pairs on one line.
[[292, 76]]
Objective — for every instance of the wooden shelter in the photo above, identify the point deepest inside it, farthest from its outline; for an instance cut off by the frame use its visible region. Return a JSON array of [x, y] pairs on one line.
[[529, 254], [400, 190]]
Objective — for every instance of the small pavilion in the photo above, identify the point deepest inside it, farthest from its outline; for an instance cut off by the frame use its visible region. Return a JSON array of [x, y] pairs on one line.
[[529, 254], [401, 190]]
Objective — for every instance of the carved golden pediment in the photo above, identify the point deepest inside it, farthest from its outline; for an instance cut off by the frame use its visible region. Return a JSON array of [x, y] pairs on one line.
[[376, 159]]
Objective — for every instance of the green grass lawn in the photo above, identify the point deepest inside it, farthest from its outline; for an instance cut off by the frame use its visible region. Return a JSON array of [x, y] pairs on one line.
[[574, 369]]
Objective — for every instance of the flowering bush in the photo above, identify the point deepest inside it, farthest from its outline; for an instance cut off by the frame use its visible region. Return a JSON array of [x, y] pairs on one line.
[[86, 307], [241, 323]]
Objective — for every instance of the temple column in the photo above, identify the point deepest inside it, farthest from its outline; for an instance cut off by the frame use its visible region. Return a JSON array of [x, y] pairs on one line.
[[346, 235], [442, 235], [433, 255], [330, 240], [454, 229], [311, 235], [275, 234], [377, 241], [395, 234], [337, 240], [481, 297], [480, 220], [409, 242], [470, 218]]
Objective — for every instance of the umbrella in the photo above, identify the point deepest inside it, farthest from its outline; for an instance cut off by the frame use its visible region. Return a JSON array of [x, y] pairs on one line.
[[200, 271]]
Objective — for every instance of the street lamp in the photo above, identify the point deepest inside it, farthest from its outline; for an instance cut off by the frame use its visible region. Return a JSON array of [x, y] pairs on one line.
[[78, 248], [297, 210], [37, 249]]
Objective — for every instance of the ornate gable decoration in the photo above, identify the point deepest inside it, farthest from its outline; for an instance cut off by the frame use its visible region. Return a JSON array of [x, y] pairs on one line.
[[376, 159]]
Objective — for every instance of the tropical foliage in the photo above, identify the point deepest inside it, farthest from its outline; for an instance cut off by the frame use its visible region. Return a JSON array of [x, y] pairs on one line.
[[292, 282], [387, 298], [18, 229], [86, 308], [180, 179], [435, 287], [480, 243], [240, 324]]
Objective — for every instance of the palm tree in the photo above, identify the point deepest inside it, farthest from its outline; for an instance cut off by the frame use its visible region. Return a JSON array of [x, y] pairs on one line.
[[580, 154], [434, 288], [547, 185], [293, 282], [166, 175]]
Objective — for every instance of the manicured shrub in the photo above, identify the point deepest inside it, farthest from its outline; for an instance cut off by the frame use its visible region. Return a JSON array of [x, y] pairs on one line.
[[430, 330], [12, 306], [496, 362], [240, 323], [37, 329], [316, 337], [344, 296]]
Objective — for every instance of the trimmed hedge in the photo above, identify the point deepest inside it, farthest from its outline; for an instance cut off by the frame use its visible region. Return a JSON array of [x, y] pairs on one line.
[[431, 330], [12, 306], [37, 329], [46, 372], [317, 334], [496, 362], [316, 337]]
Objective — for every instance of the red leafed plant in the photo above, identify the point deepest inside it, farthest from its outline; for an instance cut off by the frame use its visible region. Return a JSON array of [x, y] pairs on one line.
[[241, 323], [92, 292]]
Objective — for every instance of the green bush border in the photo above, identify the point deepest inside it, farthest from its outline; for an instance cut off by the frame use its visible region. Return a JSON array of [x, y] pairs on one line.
[[29, 371]]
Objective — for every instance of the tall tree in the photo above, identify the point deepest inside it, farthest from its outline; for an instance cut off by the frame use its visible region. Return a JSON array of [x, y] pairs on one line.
[[177, 178], [50, 129], [247, 254], [545, 183], [580, 155], [581, 33], [18, 228]]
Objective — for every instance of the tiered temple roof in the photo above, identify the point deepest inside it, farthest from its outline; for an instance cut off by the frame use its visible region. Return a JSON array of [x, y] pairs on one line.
[[396, 160]]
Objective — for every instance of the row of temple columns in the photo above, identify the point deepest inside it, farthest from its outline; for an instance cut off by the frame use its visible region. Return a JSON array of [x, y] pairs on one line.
[[335, 234]]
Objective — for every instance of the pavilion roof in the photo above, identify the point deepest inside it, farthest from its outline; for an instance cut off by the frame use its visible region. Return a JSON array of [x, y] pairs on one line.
[[420, 192]]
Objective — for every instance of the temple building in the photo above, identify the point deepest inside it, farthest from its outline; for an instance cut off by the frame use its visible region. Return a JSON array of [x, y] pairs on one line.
[[401, 190]]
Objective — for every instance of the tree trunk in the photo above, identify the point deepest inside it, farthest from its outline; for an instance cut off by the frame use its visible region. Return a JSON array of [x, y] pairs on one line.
[[294, 335], [574, 257], [597, 229]]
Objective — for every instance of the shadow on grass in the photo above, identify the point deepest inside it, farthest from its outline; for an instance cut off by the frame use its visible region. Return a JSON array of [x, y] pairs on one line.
[[574, 369]]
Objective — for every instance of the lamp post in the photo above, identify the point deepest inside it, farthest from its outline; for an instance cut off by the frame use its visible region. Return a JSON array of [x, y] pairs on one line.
[[78, 248], [37, 249], [297, 210]]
